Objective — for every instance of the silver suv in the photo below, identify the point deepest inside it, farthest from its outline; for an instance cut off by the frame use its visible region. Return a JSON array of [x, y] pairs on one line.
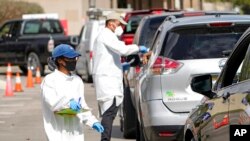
[[182, 49]]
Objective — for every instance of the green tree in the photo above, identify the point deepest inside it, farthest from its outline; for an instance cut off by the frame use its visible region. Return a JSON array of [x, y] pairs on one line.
[[243, 4], [15, 9]]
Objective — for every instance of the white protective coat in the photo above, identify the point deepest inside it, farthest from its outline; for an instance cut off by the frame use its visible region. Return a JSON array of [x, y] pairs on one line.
[[107, 67], [57, 90]]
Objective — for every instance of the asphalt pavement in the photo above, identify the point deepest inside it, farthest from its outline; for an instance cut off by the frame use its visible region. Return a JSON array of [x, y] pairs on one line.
[[21, 116]]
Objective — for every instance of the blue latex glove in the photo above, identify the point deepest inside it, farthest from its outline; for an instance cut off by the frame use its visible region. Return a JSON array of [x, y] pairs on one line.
[[125, 66], [98, 127], [74, 105], [143, 49]]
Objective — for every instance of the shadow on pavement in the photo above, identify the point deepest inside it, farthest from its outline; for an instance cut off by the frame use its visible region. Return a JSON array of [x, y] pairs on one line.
[[116, 132]]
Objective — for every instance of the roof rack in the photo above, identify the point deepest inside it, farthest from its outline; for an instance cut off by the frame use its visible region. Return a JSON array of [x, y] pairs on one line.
[[171, 18]]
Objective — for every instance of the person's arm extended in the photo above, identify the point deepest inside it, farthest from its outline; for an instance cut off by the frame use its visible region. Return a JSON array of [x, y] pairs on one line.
[[145, 57], [114, 44]]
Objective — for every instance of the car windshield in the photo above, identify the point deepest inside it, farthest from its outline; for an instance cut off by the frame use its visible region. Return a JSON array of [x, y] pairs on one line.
[[200, 43], [42, 26], [133, 23], [149, 29]]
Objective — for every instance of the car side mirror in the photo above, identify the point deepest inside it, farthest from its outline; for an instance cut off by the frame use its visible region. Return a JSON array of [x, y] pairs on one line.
[[226, 53], [4, 36], [135, 60], [203, 85], [74, 40]]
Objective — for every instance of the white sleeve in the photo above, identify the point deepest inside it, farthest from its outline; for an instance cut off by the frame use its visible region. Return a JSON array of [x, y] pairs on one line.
[[85, 117], [81, 93], [119, 47], [50, 96]]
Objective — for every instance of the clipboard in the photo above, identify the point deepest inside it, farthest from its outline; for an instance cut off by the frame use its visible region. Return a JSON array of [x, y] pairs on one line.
[[69, 111]]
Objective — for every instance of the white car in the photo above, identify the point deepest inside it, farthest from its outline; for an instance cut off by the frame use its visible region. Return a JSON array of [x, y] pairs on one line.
[[87, 37]]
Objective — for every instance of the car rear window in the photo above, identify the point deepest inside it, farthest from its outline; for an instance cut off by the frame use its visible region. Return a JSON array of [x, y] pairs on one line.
[[149, 29], [42, 26], [133, 23], [200, 43]]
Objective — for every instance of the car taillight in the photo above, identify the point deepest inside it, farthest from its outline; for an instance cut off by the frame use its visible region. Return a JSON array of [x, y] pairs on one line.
[[189, 14], [157, 12], [164, 65], [137, 69], [90, 54], [128, 39], [224, 122], [166, 134], [220, 24]]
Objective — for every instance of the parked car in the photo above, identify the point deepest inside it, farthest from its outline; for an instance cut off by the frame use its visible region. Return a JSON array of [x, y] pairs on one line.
[[86, 42], [182, 49], [133, 19], [144, 36], [29, 42], [228, 103]]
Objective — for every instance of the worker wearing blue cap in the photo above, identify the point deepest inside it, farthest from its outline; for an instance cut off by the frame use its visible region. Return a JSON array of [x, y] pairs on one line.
[[61, 90]]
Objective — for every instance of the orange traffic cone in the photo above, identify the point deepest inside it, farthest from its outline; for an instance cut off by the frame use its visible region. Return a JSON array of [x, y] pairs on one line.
[[18, 86], [29, 79], [8, 88], [38, 76], [9, 71]]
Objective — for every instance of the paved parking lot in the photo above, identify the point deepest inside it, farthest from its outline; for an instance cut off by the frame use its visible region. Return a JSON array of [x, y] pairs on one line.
[[21, 117]]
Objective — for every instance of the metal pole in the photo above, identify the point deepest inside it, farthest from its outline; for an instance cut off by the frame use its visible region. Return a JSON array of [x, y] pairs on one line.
[[111, 4], [181, 4], [191, 3], [92, 4], [149, 4], [201, 4]]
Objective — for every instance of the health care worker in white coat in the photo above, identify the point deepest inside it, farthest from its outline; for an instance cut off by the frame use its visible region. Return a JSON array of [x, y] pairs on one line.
[[107, 70], [61, 89]]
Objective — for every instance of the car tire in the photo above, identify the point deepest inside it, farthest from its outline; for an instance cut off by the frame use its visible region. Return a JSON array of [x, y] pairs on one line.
[[89, 77], [129, 114], [33, 62], [139, 132]]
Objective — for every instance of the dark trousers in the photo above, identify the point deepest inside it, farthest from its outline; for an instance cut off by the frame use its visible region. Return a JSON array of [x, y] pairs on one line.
[[107, 121]]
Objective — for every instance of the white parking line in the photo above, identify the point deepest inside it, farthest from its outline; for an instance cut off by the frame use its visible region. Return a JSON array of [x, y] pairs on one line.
[[7, 113], [11, 105]]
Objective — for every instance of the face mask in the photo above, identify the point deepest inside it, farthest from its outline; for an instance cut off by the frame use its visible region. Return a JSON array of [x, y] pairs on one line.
[[70, 65], [118, 31]]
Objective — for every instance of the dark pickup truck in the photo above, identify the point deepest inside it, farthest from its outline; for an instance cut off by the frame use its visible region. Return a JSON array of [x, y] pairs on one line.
[[29, 42]]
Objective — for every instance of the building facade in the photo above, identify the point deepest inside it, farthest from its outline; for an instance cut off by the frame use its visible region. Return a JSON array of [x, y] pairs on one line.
[[73, 11]]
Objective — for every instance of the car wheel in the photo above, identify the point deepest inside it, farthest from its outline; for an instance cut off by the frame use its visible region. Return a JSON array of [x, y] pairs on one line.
[[189, 136], [33, 62], [139, 132], [89, 77], [129, 114]]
